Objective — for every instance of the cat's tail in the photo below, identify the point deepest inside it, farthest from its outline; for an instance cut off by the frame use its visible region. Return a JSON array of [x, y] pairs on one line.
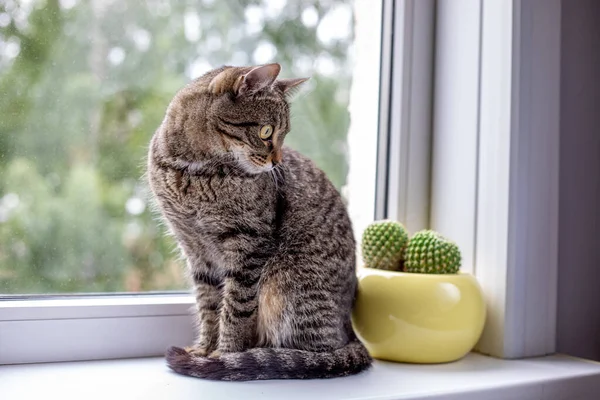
[[272, 363]]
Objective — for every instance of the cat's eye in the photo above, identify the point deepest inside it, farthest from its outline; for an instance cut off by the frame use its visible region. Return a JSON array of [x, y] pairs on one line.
[[266, 132]]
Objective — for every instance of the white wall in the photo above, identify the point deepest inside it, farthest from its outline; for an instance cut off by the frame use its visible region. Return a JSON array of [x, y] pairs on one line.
[[578, 331]]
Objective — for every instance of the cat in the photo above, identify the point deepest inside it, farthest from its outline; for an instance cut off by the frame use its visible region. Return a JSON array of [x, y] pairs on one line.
[[266, 236]]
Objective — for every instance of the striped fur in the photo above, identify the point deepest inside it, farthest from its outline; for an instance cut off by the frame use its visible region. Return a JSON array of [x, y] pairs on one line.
[[272, 363], [266, 236]]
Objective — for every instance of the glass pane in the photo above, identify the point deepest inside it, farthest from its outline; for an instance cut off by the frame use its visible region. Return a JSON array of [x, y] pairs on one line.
[[83, 86]]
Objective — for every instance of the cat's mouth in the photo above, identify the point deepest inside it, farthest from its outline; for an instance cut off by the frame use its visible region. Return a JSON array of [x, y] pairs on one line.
[[256, 163]]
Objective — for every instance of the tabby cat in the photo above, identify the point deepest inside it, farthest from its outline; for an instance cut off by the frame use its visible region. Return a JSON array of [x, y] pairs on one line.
[[266, 236]]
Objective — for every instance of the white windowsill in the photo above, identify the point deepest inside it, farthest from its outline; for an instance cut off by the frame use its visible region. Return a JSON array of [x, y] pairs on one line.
[[475, 377]]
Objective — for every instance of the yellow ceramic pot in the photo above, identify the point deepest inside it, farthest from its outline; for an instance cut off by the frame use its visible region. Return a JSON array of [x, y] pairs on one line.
[[418, 318]]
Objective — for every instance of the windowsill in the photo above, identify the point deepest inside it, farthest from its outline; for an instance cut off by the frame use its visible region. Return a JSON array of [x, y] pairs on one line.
[[475, 377]]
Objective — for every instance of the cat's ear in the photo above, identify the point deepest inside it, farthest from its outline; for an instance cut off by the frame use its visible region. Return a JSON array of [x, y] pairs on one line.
[[289, 86], [257, 79]]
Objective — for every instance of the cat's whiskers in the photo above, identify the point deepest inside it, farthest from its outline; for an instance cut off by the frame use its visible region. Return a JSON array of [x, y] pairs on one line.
[[281, 169], [278, 175], [274, 178]]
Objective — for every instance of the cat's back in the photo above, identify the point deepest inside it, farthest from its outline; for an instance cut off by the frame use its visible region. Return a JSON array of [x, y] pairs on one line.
[[307, 181], [314, 210]]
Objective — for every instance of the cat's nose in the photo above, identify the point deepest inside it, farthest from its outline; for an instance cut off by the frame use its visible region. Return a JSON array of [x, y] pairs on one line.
[[276, 157]]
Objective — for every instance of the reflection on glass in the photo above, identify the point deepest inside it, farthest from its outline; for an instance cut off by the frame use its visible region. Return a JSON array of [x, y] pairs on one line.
[[83, 85]]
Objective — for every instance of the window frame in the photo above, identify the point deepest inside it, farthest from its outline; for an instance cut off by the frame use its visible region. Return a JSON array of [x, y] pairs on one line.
[[55, 328], [502, 80], [92, 327], [514, 111], [406, 100]]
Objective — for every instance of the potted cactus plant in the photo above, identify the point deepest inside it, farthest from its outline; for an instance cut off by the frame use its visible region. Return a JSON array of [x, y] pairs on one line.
[[414, 304]]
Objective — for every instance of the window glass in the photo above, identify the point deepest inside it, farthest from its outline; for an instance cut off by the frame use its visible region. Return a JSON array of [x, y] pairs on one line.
[[84, 85]]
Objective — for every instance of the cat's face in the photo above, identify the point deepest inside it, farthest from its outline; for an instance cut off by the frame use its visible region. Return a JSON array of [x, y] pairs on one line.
[[238, 115]]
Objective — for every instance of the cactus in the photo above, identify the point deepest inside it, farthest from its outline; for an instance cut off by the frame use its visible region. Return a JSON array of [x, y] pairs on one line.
[[428, 252], [383, 245]]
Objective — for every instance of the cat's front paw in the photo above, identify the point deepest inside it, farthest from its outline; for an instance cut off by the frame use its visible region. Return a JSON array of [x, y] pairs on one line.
[[215, 354], [197, 351]]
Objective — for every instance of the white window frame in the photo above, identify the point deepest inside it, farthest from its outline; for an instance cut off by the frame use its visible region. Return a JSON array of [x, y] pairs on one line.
[[403, 163], [75, 328], [468, 148], [495, 161]]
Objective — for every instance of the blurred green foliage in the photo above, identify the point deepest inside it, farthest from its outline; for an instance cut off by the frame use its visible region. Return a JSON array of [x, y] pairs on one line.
[[83, 86]]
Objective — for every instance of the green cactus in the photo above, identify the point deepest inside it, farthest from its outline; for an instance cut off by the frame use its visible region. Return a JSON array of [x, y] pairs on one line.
[[428, 252], [383, 244]]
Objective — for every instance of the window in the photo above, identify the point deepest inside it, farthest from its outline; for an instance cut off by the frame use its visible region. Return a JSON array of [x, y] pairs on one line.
[[418, 110], [84, 85]]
